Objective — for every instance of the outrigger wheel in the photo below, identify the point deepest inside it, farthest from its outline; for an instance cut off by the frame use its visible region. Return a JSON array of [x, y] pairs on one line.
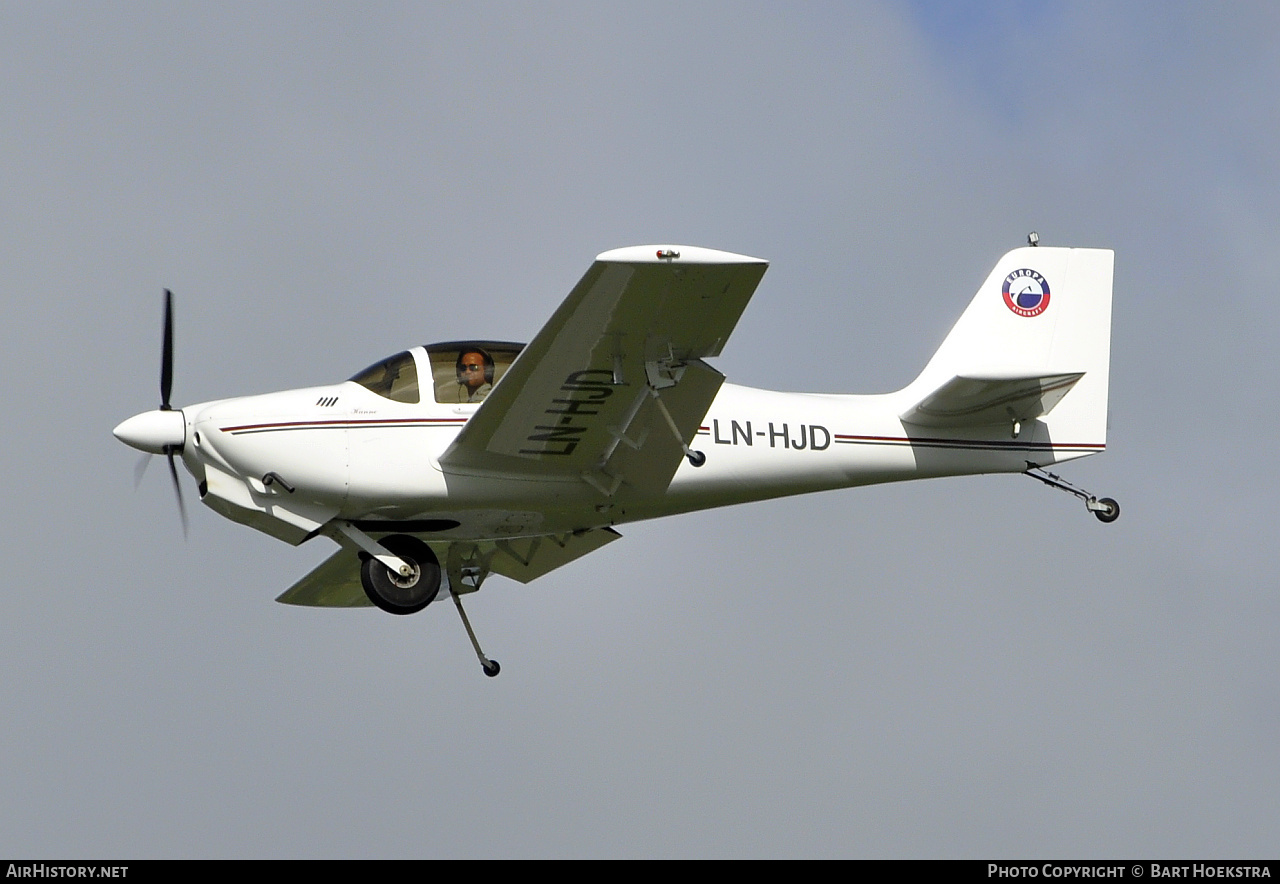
[[402, 595]]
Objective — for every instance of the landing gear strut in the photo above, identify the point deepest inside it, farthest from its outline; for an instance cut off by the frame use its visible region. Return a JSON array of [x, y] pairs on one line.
[[695, 458], [1104, 508], [467, 570], [490, 667], [402, 575]]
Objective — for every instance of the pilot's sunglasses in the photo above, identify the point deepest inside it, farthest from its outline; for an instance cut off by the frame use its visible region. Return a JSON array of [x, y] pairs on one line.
[[471, 368]]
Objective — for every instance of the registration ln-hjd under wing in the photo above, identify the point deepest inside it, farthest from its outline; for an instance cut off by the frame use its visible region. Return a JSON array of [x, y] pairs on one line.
[[441, 465]]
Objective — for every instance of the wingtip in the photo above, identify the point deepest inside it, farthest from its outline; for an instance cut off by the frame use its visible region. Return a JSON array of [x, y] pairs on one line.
[[664, 253]]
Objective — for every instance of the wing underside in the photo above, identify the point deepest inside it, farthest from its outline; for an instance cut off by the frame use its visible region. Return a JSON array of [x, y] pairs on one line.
[[335, 582], [613, 387]]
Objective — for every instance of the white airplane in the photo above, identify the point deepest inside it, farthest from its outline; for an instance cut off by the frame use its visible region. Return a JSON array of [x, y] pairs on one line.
[[443, 464]]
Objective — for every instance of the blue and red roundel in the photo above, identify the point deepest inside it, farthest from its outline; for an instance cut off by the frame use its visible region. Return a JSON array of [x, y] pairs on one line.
[[1026, 292]]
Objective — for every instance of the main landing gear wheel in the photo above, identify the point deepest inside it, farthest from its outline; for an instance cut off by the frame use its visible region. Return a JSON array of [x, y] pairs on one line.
[[1110, 510], [492, 668], [398, 594]]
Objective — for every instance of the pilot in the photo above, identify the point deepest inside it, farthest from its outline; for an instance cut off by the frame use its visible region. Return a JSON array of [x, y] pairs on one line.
[[475, 375]]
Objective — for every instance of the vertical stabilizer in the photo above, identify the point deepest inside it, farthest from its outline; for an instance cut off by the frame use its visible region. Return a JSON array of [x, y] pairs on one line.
[[1034, 344]]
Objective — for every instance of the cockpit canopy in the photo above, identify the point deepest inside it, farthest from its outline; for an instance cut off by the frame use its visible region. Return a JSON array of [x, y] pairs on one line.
[[461, 371], [465, 371], [395, 377]]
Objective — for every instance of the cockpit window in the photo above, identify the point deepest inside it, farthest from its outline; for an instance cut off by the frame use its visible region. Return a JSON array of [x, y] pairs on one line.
[[395, 378], [465, 371]]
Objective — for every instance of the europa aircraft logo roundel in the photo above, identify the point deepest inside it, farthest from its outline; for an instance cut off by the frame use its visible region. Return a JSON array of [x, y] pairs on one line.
[[1026, 292]]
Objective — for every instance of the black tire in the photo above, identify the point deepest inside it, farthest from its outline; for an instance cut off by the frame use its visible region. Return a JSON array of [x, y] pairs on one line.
[[1111, 513], [697, 458], [492, 669], [397, 595]]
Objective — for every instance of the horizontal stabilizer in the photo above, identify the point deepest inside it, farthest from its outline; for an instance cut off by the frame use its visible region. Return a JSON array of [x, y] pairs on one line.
[[981, 401]]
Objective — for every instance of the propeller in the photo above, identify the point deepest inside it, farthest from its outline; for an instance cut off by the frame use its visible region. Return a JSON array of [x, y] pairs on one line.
[[166, 387], [166, 353], [164, 430], [177, 489]]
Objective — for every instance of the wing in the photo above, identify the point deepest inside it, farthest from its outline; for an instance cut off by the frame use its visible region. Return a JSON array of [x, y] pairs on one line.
[[972, 402], [335, 582], [522, 558], [613, 387]]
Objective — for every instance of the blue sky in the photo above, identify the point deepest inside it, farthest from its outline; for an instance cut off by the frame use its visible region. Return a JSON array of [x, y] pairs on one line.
[[994, 48]]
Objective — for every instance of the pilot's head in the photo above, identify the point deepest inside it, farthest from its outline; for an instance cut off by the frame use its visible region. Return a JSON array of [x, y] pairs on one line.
[[475, 368]]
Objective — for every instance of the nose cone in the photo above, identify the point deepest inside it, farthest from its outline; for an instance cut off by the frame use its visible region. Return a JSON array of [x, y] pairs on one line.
[[154, 431]]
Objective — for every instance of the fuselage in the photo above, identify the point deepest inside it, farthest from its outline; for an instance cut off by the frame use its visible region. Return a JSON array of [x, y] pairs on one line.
[[341, 451]]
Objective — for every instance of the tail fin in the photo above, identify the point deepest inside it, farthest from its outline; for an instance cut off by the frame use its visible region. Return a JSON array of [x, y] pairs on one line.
[[1036, 339]]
